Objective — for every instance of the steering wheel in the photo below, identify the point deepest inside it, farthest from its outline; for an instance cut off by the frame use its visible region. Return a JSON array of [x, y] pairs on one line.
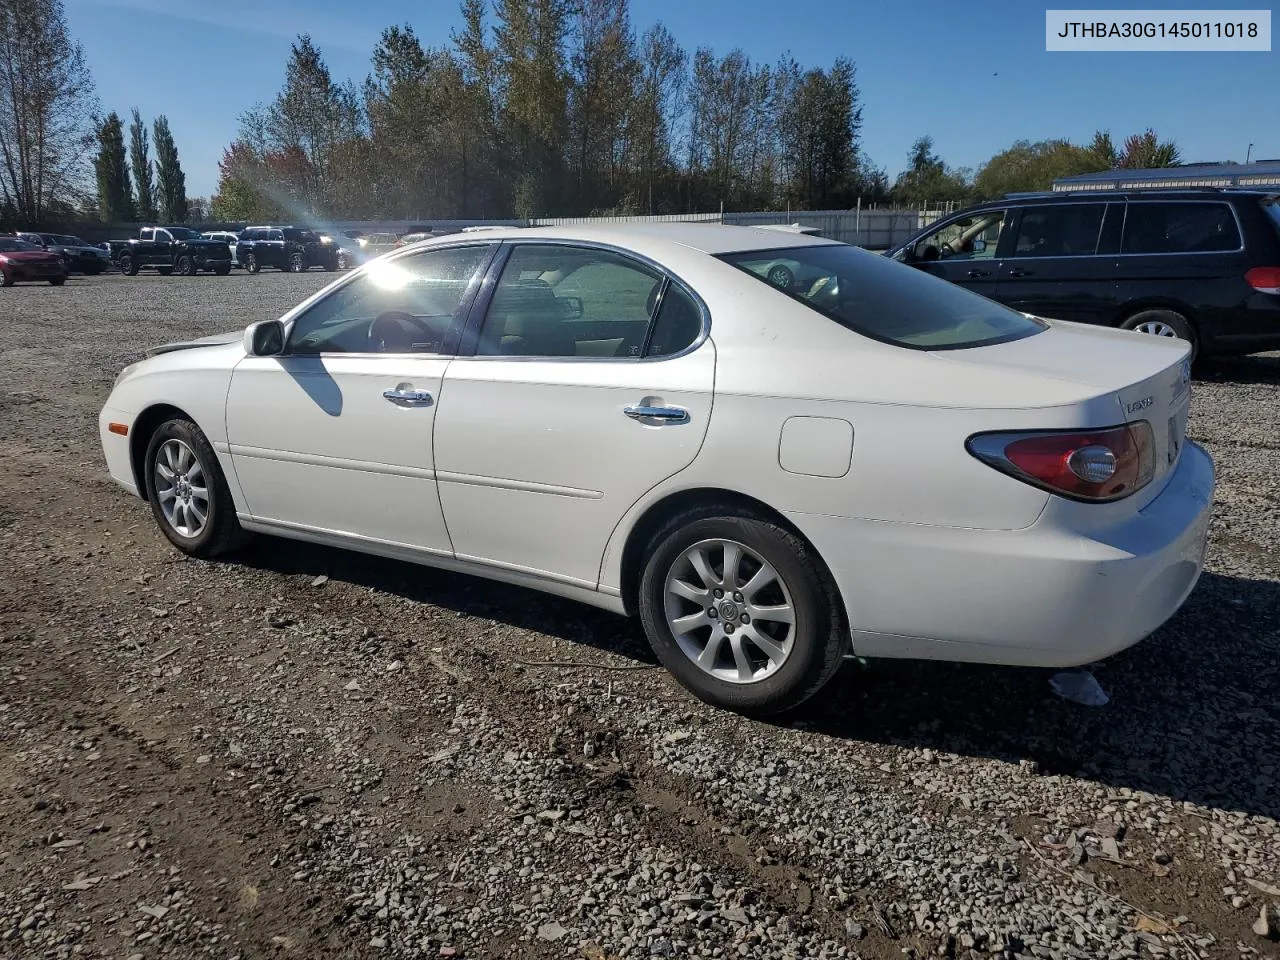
[[394, 332]]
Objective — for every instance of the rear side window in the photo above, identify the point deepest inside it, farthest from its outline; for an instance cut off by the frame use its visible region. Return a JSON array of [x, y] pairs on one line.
[[885, 300], [1061, 230], [1180, 228], [1272, 207]]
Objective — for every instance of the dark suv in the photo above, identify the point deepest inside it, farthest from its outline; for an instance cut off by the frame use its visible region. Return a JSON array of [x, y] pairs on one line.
[[295, 249], [1203, 265]]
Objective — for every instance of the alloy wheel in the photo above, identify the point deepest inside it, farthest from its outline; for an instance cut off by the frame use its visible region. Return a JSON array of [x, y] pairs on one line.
[[179, 483], [729, 611], [1157, 328]]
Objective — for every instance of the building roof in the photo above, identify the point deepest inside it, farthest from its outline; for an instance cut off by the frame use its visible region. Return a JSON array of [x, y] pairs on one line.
[[1264, 174]]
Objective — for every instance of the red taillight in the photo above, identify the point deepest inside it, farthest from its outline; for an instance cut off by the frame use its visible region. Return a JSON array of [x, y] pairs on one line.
[[1264, 279], [1106, 464]]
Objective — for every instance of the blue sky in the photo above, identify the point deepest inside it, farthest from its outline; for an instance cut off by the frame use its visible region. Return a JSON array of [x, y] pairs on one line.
[[975, 76]]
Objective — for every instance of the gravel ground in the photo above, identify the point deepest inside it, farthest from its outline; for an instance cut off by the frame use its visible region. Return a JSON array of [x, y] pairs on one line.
[[304, 752]]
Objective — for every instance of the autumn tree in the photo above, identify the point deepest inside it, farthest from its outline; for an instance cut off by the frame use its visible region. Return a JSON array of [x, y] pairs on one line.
[[1146, 150]]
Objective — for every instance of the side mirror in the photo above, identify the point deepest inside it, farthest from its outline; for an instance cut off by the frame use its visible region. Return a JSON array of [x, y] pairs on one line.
[[978, 246], [264, 338]]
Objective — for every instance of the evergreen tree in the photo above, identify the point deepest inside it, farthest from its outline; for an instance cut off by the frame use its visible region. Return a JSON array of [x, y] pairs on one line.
[[115, 196], [171, 183], [140, 161]]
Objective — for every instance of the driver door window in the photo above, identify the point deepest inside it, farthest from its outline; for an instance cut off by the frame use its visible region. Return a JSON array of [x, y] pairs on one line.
[[409, 305], [974, 237]]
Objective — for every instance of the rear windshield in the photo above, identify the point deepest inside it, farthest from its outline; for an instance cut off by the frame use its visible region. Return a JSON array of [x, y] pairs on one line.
[[885, 300]]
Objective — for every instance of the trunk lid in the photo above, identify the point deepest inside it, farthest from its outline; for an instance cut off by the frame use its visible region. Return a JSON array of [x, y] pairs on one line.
[[1147, 378]]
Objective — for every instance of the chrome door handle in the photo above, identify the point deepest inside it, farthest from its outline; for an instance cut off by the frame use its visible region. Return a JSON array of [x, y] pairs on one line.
[[408, 398], [978, 274], [1019, 272], [665, 414]]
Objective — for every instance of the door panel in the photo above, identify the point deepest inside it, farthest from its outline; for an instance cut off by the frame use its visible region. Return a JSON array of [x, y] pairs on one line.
[[540, 447], [537, 460], [965, 250], [1053, 271], [336, 435], [314, 442]]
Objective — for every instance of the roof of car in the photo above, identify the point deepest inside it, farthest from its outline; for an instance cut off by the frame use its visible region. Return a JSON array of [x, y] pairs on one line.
[[711, 238], [1102, 196]]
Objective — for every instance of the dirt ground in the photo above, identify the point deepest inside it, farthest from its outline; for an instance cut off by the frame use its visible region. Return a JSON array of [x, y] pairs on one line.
[[308, 753]]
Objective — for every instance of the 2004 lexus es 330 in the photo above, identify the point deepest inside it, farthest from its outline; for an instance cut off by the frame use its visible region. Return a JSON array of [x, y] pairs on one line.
[[772, 473]]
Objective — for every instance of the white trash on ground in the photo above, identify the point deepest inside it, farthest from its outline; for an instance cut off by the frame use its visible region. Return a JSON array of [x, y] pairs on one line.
[[1079, 686]]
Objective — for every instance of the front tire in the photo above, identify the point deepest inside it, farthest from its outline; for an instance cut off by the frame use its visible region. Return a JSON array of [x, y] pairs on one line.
[[128, 265], [297, 263], [187, 266], [189, 496], [741, 611], [222, 271], [1165, 323], [58, 281], [251, 263]]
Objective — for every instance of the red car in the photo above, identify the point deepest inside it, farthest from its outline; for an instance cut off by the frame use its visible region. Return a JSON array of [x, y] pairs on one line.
[[20, 260]]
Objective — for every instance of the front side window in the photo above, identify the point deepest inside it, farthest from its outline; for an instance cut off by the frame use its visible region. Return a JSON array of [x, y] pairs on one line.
[[409, 305], [555, 300], [885, 300], [973, 237], [1180, 228], [1061, 230]]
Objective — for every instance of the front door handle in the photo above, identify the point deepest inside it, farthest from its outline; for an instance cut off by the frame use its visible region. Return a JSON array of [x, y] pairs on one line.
[[665, 414], [1019, 272], [979, 274], [408, 398]]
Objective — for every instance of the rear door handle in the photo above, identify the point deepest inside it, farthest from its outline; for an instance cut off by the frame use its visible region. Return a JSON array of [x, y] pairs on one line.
[[408, 398], [665, 414], [979, 274], [1019, 272]]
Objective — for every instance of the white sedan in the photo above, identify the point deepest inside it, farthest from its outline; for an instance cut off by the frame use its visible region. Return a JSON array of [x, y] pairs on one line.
[[883, 464]]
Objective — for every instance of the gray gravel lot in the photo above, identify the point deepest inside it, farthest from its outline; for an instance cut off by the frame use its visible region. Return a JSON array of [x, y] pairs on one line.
[[304, 752]]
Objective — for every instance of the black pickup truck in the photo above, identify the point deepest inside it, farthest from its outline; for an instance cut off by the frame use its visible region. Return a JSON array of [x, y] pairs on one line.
[[295, 249], [173, 250]]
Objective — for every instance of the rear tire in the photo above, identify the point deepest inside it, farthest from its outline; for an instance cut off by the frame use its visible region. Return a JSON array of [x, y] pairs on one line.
[[715, 649], [1165, 323], [222, 271], [164, 271], [180, 466], [57, 282]]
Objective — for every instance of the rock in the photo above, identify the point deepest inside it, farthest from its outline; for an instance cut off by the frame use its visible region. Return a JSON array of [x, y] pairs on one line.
[[551, 931], [448, 952], [855, 930], [1110, 848], [1270, 889], [1263, 926], [320, 581], [394, 665], [378, 943], [157, 913], [1162, 858], [204, 758], [353, 686], [734, 914]]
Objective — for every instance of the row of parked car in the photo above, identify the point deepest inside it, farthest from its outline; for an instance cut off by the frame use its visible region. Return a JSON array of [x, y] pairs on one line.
[[48, 257]]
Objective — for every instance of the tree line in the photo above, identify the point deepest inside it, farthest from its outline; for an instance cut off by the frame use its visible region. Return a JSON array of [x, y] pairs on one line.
[[55, 147], [546, 107], [533, 107], [155, 191]]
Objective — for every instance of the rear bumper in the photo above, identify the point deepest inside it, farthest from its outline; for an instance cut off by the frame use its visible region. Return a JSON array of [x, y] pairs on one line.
[[1043, 596]]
